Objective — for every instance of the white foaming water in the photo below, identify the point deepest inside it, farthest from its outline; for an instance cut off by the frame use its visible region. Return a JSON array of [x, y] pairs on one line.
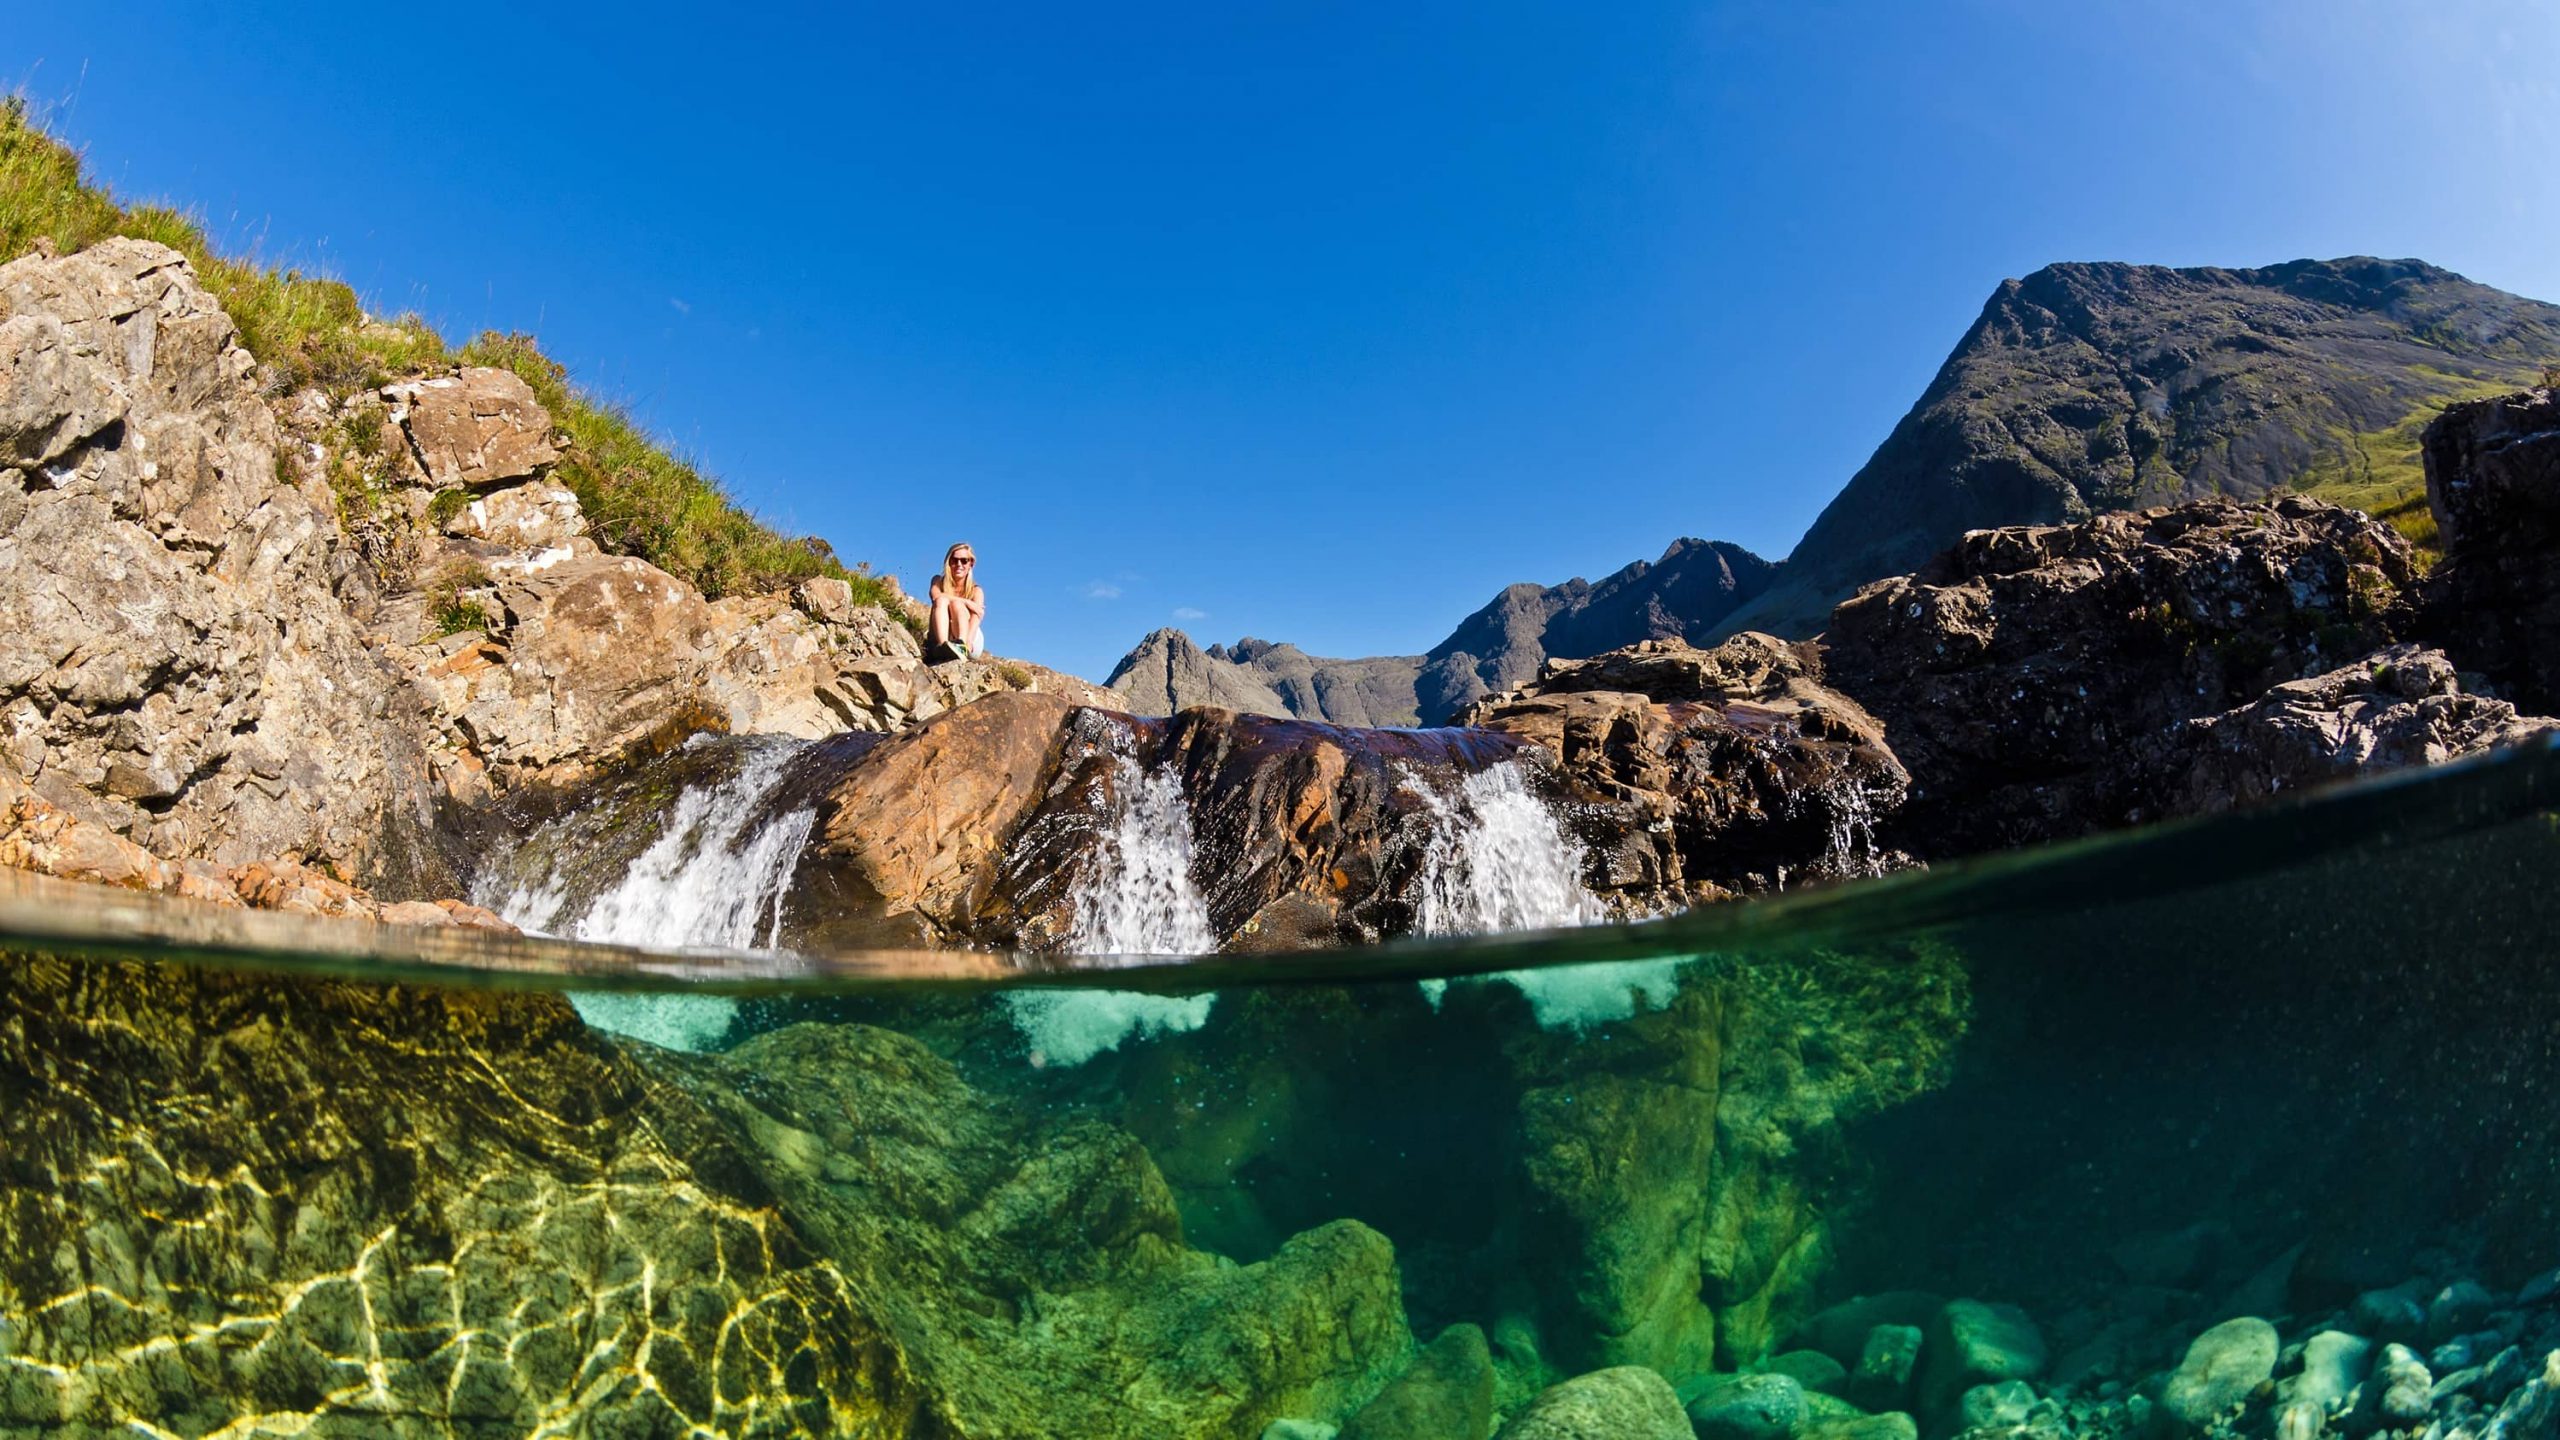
[[1139, 899], [1498, 860], [714, 877], [1853, 834]]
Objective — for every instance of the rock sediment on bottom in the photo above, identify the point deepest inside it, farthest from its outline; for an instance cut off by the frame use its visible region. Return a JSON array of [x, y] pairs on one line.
[[1625, 1403]]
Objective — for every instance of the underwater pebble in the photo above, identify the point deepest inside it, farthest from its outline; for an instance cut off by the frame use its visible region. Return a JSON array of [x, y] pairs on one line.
[[1973, 1343], [1891, 1425], [2458, 1308], [2334, 1363], [2540, 1289], [1625, 1403], [1882, 1380], [1996, 1406], [2388, 1315], [2407, 1387], [2221, 1367], [1812, 1369], [1749, 1407]]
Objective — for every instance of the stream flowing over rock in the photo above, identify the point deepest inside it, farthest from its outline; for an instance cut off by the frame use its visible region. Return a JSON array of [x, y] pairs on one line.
[[1699, 774]]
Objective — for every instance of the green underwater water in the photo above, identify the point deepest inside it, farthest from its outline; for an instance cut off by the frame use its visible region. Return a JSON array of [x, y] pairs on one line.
[[2002, 1148]]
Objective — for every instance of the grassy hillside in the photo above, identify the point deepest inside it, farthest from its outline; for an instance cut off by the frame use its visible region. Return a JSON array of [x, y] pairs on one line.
[[640, 499], [2381, 472]]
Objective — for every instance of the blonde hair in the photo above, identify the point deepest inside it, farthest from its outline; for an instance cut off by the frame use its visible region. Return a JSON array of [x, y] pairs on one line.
[[952, 584]]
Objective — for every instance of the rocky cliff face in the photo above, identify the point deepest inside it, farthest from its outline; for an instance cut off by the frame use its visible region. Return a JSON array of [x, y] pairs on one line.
[[2044, 682], [2493, 478], [2086, 388], [173, 662], [1686, 595]]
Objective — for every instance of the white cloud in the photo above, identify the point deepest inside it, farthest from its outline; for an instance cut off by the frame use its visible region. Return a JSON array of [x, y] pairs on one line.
[[1101, 590], [1185, 612], [681, 307]]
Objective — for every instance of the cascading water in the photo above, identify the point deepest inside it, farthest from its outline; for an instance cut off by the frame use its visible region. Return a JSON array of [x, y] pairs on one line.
[[715, 876], [1498, 860], [1138, 900]]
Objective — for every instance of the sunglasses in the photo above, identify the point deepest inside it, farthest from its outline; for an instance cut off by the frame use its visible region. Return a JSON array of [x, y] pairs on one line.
[[964, 559]]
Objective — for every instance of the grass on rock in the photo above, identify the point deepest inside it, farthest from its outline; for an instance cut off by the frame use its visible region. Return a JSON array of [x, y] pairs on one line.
[[313, 331]]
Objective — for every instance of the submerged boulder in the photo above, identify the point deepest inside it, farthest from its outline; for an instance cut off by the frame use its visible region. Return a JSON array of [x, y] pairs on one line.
[[1628, 1402], [210, 1224], [1447, 1395]]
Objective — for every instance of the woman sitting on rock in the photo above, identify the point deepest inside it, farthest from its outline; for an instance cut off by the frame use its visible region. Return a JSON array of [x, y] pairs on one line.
[[959, 608]]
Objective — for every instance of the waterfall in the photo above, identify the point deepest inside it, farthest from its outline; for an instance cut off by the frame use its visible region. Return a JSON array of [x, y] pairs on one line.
[[1853, 833], [715, 875], [1139, 898], [1497, 859]]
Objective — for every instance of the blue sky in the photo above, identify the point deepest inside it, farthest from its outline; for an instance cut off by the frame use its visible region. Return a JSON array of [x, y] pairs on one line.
[[1318, 323]]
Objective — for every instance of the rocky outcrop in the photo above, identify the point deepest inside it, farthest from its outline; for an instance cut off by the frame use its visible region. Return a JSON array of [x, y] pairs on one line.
[[2397, 709], [2088, 388], [479, 428], [41, 838], [2493, 481], [919, 827], [982, 823], [172, 663], [2023, 676], [1701, 774]]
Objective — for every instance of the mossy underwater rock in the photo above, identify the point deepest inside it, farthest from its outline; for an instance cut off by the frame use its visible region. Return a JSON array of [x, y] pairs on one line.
[[1626, 1402], [1033, 1272], [1447, 1395], [230, 1200], [390, 1211]]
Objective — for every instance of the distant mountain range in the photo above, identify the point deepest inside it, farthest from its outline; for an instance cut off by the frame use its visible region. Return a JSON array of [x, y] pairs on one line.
[[2082, 388]]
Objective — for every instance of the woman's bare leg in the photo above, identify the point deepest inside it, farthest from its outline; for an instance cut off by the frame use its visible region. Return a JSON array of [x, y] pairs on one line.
[[943, 625]]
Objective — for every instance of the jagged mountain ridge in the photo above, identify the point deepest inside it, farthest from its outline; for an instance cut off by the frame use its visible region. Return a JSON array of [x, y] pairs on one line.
[[2089, 387], [2082, 388], [1684, 595]]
